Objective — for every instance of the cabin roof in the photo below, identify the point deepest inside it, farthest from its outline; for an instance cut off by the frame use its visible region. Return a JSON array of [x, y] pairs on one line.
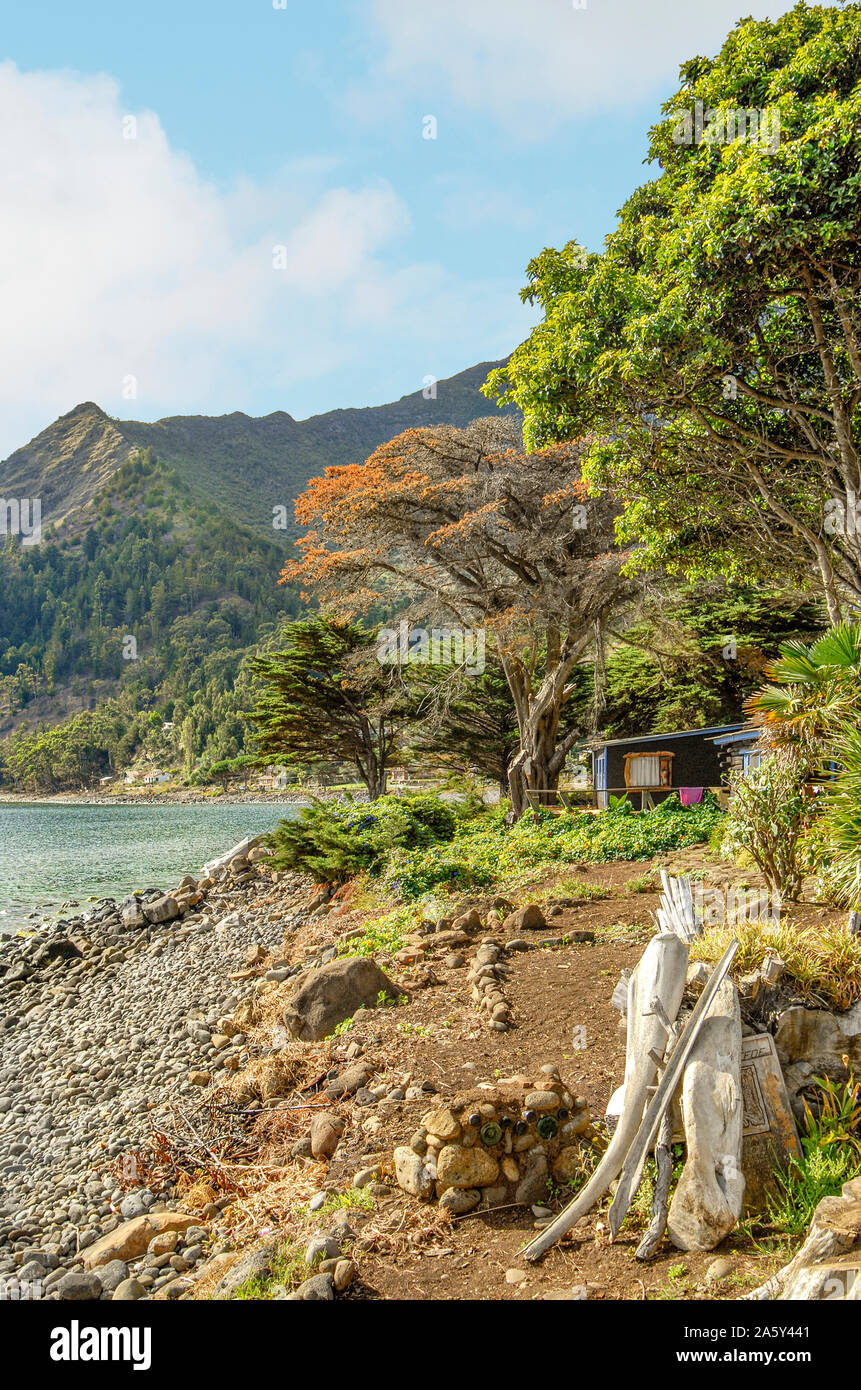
[[716, 732]]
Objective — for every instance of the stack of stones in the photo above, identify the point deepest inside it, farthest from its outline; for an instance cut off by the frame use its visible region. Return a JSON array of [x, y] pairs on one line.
[[500, 1143], [486, 977]]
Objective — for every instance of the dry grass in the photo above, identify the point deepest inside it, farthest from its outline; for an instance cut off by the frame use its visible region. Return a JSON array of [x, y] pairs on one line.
[[823, 962]]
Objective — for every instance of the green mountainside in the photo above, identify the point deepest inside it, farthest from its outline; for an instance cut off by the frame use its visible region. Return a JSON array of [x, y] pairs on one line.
[[244, 464], [157, 573]]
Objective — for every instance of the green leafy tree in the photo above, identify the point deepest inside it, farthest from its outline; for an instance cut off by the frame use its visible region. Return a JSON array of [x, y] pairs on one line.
[[324, 696], [715, 346]]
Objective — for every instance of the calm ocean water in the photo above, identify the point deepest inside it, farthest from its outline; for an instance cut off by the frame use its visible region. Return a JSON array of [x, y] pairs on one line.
[[52, 853]]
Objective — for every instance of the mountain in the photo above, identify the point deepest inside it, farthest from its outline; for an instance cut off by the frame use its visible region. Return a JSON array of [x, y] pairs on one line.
[[247, 465], [157, 573]]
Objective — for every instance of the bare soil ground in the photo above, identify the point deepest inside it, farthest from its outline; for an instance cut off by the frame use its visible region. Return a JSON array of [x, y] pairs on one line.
[[560, 1002]]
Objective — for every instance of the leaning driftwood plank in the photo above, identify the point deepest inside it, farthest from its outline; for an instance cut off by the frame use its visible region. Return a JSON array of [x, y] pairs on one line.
[[633, 1166], [659, 973]]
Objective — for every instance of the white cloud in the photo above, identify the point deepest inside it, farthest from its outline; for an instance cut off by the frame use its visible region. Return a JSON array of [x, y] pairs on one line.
[[533, 64], [118, 259]]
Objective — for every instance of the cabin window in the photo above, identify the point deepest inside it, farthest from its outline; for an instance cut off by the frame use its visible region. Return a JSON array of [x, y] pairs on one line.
[[648, 770]]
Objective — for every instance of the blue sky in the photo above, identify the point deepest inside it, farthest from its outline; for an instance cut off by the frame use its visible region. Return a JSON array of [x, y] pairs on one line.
[[222, 205]]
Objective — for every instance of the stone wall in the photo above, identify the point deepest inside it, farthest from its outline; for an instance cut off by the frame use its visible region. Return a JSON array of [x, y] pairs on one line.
[[496, 1144]]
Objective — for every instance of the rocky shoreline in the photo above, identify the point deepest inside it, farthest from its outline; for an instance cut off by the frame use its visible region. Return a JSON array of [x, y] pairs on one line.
[[155, 798], [107, 1021]]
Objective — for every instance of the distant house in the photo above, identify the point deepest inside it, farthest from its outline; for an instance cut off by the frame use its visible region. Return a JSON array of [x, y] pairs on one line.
[[273, 779], [155, 776], [651, 767]]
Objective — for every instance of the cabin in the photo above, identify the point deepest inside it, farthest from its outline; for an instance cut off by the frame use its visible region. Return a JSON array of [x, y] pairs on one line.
[[650, 767], [273, 779]]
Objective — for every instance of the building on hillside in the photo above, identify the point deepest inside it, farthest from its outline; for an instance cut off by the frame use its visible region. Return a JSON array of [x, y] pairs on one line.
[[273, 779], [156, 776], [650, 767]]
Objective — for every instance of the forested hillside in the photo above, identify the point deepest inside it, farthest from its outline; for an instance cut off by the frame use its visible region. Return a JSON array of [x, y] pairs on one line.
[[157, 572]]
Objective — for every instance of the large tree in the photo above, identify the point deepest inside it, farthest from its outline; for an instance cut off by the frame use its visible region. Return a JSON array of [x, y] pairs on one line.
[[321, 699], [466, 529], [715, 345], [467, 722]]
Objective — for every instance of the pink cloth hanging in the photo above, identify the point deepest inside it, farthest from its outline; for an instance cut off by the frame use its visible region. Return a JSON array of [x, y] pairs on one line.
[[691, 796]]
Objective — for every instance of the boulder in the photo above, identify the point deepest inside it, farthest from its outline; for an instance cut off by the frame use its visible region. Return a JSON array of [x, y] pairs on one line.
[[414, 1174], [132, 913], [59, 948], [132, 1238], [255, 1265], [533, 1185], [442, 1123], [529, 918], [812, 1042], [458, 1167], [78, 1286], [349, 1082], [468, 921], [164, 909], [326, 1131], [459, 1200], [333, 993]]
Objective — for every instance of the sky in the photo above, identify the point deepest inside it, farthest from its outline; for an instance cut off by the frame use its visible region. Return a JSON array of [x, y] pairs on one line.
[[259, 205]]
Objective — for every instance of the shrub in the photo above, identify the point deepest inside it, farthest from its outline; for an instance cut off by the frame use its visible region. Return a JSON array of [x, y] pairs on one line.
[[485, 851], [770, 812], [331, 841], [822, 962], [843, 816]]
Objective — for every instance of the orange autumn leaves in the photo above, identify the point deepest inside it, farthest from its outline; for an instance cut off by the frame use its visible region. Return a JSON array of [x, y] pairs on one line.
[[424, 506]]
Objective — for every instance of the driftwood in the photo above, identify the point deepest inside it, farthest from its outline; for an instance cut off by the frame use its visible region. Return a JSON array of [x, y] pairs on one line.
[[676, 912], [835, 1231], [659, 976], [664, 1162], [632, 1168], [708, 1200]]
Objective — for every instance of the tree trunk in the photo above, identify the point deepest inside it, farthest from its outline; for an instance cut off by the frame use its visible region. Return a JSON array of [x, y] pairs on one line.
[[540, 759]]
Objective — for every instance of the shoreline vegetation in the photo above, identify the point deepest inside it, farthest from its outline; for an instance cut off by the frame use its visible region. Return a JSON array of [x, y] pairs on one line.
[[242, 1156], [397, 1026]]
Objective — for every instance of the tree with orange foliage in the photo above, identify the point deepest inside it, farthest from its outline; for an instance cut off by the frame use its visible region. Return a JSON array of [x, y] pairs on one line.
[[463, 527]]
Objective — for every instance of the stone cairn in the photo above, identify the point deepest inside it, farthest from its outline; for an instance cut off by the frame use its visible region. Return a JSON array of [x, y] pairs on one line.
[[498, 1144]]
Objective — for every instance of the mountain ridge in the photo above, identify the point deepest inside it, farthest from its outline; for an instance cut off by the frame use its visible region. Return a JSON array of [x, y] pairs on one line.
[[251, 463]]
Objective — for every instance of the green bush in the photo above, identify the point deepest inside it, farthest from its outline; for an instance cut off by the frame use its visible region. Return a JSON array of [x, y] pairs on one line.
[[485, 851], [331, 841], [770, 815]]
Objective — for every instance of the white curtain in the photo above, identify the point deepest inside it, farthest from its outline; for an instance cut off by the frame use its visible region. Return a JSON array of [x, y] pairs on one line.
[[644, 772]]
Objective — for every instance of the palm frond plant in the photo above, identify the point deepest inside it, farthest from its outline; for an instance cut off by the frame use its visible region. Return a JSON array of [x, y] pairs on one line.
[[844, 819], [810, 711]]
